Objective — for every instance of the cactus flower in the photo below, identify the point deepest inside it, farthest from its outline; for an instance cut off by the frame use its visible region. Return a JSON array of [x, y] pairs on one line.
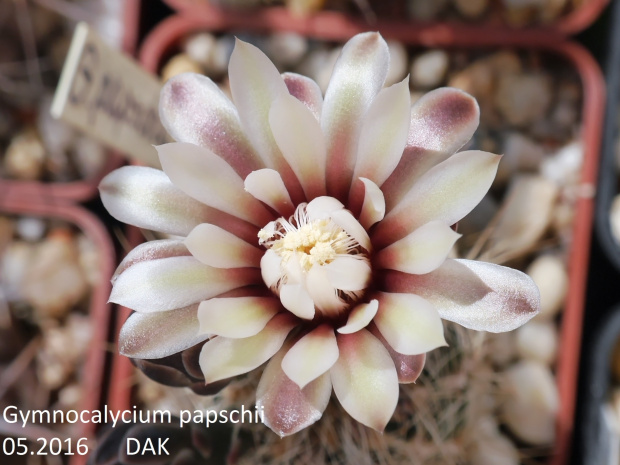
[[314, 234]]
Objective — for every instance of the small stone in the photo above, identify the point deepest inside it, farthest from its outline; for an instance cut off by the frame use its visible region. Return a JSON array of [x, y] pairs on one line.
[[221, 56], [504, 62], [55, 281], [614, 217], [200, 47], [564, 166], [551, 10], [549, 273], [30, 229], [25, 157], [471, 8], [179, 64], [89, 259], [56, 135], [538, 340], [425, 10], [520, 154], [476, 79], [14, 265], [286, 48], [428, 69], [523, 98], [398, 63], [89, 156], [502, 348], [491, 447], [532, 402]]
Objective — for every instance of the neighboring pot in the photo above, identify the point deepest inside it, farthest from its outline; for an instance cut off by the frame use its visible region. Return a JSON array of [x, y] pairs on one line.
[[92, 381], [567, 24], [333, 27]]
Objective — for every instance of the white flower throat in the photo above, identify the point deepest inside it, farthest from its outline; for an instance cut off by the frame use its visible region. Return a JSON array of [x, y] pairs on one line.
[[313, 253]]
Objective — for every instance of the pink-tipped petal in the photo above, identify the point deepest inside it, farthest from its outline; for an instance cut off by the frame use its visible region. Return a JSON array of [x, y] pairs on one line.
[[299, 136], [223, 357], [447, 192], [311, 356], [157, 335], [206, 177], [410, 324], [364, 379], [267, 186], [255, 84], [384, 133], [296, 300], [442, 121], [357, 78], [270, 268], [348, 273], [306, 91], [421, 252], [236, 317], [217, 247], [175, 282], [408, 367], [360, 317], [288, 409], [193, 109], [477, 295], [146, 198], [373, 207], [152, 250]]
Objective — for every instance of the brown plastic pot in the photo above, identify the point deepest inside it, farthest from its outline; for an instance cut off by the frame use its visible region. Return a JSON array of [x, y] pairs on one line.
[[571, 23], [166, 37], [92, 380]]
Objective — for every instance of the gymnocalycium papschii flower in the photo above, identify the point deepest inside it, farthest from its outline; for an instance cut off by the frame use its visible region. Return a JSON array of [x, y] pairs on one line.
[[316, 234]]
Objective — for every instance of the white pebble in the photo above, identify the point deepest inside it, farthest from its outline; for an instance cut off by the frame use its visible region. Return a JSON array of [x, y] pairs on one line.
[[429, 69], [471, 8], [538, 340], [523, 98], [564, 167], [532, 402], [89, 156], [200, 47], [286, 48], [398, 63], [549, 274], [30, 228]]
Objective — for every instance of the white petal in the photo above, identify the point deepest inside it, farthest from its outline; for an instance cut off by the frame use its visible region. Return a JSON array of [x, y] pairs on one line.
[[360, 317], [287, 408], [384, 133], [206, 177], [267, 186], [299, 136], [352, 227], [447, 192], [216, 247], [311, 356], [410, 324], [422, 251], [157, 335], [322, 292], [373, 208], [348, 273], [477, 295], [322, 207], [255, 84], [193, 109], [152, 250], [146, 198], [306, 91], [236, 317], [364, 379], [270, 268], [223, 357], [175, 282], [296, 300], [358, 76]]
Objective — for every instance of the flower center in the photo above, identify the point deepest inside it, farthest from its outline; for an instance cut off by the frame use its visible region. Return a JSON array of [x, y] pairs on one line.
[[314, 262]]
